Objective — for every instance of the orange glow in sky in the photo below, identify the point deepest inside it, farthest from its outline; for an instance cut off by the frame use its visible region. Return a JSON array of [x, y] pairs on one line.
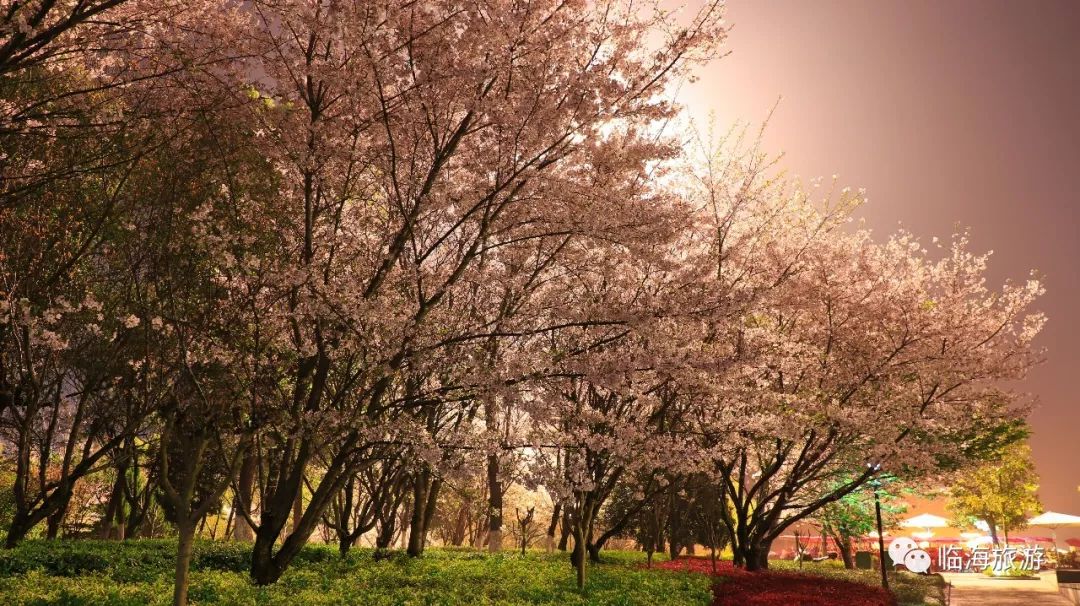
[[959, 114]]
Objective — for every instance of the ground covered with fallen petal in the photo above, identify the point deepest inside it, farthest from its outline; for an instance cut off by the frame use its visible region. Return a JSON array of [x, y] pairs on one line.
[[815, 585]]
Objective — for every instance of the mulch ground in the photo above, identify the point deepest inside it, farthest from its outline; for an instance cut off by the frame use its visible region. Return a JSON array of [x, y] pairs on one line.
[[740, 588]]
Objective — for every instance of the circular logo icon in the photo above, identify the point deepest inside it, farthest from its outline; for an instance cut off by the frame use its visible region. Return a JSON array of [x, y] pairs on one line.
[[917, 561], [899, 548]]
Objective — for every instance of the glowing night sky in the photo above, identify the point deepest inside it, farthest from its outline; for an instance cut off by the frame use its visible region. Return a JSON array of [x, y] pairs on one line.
[[963, 113]]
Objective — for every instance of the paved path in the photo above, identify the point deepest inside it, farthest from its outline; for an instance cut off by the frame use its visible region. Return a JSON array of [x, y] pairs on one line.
[[978, 590]]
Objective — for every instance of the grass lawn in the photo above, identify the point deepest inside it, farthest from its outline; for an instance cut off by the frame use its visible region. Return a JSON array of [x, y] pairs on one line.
[[140, 572]]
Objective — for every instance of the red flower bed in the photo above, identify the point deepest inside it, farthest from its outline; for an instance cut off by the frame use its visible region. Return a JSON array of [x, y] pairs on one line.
[[741, 588], [724, 568]]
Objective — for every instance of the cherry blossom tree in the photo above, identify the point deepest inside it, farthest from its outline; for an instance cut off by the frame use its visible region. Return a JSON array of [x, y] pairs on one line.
[[876, 359], [35, 32], [405, 155], [356, 261]]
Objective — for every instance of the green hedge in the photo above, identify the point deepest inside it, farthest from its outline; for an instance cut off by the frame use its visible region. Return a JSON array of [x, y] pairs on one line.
[[140, 572], [133, 561]]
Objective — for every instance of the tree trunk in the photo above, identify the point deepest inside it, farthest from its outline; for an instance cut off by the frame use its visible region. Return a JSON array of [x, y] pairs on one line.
[[139, 509], [385, 535], [264, 570], [495, 504], [615, 529], [344, 544], [754, 556], [594, 552], [119, 520], [20, 526], [55, 521], [429, 509], [118, 523], [461, 526], [242, 531], [993, 532], [673, 527], [564, 537], [184, 548], [25, 520], [116, 495], [581, 528], [578, 556], [844, 546], [267, 565], [419, 515], [297, 510], [552, 526]]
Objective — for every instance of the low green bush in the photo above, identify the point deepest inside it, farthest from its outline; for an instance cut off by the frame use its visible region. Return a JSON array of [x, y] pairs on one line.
[[140, 572], [132, 561]]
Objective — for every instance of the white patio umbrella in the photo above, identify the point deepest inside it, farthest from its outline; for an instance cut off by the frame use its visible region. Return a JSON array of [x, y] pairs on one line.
[[1054, 520], [925, 521]]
